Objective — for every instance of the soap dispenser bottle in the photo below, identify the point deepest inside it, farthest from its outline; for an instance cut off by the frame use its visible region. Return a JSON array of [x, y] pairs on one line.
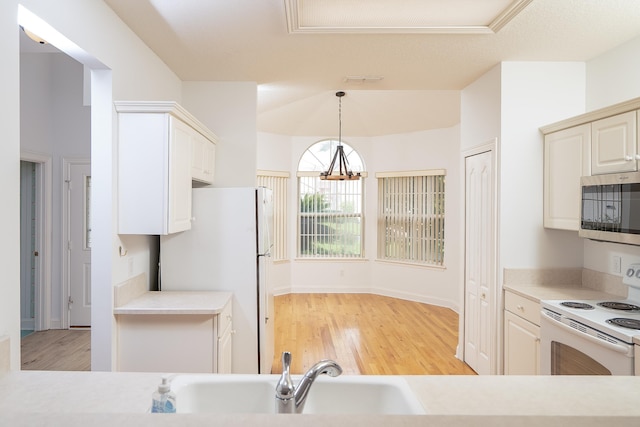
[[164, 400]]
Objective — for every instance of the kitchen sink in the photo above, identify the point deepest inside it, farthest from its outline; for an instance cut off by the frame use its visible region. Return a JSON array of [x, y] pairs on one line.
[[210, 393]]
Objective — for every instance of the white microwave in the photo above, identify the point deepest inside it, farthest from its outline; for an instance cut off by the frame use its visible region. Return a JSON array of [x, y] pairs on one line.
[[611, 208]]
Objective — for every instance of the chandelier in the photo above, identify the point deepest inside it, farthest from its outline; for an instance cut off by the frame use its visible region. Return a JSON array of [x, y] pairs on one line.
[[339, 158]]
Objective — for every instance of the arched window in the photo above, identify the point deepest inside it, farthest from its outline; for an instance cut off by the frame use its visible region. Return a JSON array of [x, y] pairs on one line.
[[330, 212]]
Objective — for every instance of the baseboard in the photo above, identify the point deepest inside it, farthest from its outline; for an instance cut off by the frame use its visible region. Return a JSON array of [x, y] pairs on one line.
[[28, 324], [382, 292]]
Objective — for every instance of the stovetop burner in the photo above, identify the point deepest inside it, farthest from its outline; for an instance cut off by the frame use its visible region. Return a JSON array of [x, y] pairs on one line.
[[625, 323], [617, 305], [578, 305]]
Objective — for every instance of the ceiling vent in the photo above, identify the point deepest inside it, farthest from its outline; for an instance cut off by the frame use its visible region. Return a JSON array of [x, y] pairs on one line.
[[362, 79]]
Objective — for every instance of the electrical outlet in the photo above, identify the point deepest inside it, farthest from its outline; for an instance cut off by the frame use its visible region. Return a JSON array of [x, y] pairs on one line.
[[616, 264]]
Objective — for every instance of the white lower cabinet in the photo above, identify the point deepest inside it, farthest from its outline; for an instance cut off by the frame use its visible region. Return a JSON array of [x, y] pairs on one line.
[[521, 336], [175, 343]]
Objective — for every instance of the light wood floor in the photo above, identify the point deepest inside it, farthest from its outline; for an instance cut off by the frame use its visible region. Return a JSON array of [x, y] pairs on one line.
[[57, 350], [364, 333]]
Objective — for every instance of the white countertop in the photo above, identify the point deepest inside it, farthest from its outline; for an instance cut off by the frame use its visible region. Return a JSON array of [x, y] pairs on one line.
[[540, 292], [120, 398], [176, 302]]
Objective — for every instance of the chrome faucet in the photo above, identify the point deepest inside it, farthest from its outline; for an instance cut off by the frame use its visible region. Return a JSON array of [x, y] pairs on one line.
[[291, 399]]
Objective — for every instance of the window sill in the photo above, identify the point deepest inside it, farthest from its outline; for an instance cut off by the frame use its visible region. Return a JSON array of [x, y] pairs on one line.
[[411, 264], [332, 259]]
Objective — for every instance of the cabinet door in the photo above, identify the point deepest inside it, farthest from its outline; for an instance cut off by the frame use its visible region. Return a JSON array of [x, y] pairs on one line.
[[203, 159], [614, 144], [225, 353], [521, 346], [165, 343], [179, 194], [566, 159]]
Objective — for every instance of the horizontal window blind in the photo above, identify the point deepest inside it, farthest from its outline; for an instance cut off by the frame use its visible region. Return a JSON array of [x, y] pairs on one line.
[[411, 217], [277, 182]]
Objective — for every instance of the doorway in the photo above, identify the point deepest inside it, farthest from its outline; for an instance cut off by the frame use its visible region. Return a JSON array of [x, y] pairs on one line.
[[480, 271], [35, 242], [77, 233], [97, 95]]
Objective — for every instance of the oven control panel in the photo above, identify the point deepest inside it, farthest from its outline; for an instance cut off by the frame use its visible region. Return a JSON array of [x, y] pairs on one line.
[[632, 275]]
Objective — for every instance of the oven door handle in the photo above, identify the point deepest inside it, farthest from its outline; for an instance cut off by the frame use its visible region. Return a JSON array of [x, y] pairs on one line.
[[615, 347]]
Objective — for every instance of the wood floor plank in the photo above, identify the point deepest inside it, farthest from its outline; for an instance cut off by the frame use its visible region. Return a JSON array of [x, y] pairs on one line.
[[57, 350], [367, 334]]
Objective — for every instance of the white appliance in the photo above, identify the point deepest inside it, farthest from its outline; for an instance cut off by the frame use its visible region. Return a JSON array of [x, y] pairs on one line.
[[610, 208], [586, 337], [225, 250]]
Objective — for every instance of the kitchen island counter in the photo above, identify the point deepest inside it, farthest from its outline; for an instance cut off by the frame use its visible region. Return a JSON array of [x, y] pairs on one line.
[[176, 302], [112, 398]]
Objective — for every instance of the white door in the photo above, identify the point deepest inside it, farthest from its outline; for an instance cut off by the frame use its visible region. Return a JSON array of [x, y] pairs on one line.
[[479, 261], [78, 216]]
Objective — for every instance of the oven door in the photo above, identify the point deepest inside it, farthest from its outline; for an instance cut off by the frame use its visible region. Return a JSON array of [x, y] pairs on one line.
[[568, 351]]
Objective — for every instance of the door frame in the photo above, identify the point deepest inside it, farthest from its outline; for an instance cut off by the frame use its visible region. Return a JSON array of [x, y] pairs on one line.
[[67, 163], [42, 303], [492, 146]]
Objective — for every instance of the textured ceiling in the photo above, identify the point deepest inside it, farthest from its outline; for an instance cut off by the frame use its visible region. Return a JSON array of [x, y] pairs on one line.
[[298, 74]]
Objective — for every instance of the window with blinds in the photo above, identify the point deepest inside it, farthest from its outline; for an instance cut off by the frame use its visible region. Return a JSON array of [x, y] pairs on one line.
[[277, 182], [330, 219], [330, 215], [411, 217]]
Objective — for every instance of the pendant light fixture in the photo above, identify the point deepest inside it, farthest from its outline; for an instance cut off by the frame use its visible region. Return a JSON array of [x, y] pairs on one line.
[[344, 173]]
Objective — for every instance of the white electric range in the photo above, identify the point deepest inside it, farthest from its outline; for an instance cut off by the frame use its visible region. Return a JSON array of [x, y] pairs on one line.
[[591, 336]]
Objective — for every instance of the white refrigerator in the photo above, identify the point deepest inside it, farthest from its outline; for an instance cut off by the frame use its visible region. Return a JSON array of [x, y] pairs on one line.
[[226, 250]]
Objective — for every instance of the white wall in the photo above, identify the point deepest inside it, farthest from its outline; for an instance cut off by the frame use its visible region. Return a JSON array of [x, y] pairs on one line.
[[613, 76], [436, 149], [9, 176], [136, 73], [54, 122], [533, 94], [229, 110], [480, 110]]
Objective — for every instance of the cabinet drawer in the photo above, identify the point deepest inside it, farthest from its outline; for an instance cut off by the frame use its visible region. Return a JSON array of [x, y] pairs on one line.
[[523, 307], [224, 318]]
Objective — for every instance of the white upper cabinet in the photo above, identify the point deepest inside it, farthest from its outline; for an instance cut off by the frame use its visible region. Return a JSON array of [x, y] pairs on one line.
[[203, 158], [567, 157], [156, 143], [614, 144], [598, 142]]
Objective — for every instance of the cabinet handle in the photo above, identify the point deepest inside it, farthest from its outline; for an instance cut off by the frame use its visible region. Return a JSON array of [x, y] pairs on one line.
[[637, 156], [519, 307], [628, 158]]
